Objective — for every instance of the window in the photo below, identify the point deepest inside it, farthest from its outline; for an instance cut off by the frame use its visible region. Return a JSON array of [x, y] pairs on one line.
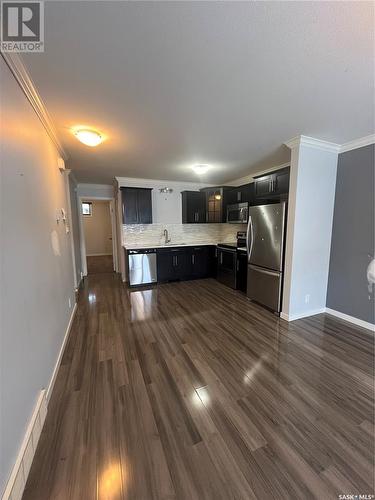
[[87, 208]]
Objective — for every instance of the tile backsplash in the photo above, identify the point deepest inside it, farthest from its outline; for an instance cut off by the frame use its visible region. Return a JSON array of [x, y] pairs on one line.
[[152, 234]]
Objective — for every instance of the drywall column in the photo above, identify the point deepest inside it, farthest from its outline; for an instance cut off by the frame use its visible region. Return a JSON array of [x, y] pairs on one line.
[[309, 226]]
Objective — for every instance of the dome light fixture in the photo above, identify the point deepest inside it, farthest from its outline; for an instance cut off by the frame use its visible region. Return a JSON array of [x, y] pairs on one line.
[[89, 137], [201, 168]]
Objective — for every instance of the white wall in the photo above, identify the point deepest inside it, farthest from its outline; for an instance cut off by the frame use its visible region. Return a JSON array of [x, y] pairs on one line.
[[166, 208], [97, 229], [95, 190], [36, 265], [309, 229]]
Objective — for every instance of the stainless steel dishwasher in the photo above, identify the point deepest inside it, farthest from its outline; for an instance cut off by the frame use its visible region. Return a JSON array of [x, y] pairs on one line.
[[142, 266]]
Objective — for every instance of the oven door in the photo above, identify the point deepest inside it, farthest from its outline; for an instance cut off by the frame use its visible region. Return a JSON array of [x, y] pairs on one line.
[[227, 266], [237, 213]]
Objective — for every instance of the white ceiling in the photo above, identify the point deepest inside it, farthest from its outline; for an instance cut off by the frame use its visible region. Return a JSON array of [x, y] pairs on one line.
[[225, 83]]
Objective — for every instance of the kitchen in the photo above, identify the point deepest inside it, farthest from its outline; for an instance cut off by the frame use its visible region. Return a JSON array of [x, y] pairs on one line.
[[239, 239], [219, 342]]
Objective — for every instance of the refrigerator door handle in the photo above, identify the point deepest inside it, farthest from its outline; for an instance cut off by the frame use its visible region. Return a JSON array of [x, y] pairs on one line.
[[247, 236], [265, 271], [250, 232]]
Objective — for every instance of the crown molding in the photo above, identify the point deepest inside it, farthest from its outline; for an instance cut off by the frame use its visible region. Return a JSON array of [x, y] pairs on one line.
[[250, 178], [304, 140], [330, 146], [134, 181], [19, 71], [358, 143]]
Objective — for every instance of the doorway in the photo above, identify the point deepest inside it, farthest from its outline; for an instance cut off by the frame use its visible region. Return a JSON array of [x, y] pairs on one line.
[[97, 231]]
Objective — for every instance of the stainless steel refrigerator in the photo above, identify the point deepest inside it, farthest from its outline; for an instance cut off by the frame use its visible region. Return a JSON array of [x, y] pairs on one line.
[[265, 254]]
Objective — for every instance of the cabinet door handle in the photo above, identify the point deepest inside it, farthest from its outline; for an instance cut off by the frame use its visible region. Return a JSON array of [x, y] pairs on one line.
[[193, 259], [221, 257], [238, 266]]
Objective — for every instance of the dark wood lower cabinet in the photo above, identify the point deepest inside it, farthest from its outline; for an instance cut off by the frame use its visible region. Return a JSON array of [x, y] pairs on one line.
[[183, 263]]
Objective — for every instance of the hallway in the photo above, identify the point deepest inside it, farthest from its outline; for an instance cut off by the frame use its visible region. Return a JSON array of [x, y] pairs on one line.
[[189, 391], [99, 264]]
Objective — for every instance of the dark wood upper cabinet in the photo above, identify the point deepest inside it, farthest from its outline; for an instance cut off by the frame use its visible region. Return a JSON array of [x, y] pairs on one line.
[[216, 202], [136, 205], [272, 186], [193, 207], [241, 194]]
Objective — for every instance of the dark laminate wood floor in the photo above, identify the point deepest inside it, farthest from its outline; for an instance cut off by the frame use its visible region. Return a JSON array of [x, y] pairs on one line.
[[99, 264], [188, 391]]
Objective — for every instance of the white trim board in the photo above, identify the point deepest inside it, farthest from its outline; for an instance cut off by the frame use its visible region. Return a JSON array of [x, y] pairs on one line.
[[98, 254], [358, 143], [19, 71], [293, 317], [18, 477], [351, 319], [330, 146], [332, 312], [157, 183], [314, 143], [61, 352]]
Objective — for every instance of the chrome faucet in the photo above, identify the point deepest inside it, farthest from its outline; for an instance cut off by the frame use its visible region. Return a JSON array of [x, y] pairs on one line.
[[165, 233]]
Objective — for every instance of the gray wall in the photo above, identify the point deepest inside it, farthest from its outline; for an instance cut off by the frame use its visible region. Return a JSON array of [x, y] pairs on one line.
[[353, 235], [36, 273]]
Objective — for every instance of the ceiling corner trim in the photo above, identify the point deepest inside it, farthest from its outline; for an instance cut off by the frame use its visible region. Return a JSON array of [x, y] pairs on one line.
[[304, 140], [19, 71], [293, 143], [358, 143]]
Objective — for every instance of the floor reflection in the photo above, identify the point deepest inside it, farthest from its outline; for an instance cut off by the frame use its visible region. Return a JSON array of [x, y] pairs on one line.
[[203, 395], [110, 482], [141, 304]]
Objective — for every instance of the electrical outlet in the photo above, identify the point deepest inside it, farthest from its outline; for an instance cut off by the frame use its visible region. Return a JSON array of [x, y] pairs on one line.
[[307, 298]]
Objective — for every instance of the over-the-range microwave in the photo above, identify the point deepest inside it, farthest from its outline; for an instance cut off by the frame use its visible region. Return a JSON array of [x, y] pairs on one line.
[[238, 213]]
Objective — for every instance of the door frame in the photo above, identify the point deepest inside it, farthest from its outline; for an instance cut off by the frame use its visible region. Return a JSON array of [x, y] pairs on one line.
[[82, 243]]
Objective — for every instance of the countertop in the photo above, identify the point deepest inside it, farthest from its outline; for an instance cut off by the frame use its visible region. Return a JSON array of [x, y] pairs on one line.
[[169, 245]]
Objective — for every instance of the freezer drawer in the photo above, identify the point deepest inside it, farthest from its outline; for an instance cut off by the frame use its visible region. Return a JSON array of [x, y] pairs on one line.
[[264, 286]]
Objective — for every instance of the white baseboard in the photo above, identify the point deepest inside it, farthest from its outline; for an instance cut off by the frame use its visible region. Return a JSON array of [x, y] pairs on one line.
[[18, 477], [293, 317], [351, 319], [61, 352], [332, 312]]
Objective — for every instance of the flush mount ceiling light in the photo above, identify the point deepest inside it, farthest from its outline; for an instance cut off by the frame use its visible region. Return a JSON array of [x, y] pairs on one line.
[[88, 137], [201, 168], [166, 190]]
